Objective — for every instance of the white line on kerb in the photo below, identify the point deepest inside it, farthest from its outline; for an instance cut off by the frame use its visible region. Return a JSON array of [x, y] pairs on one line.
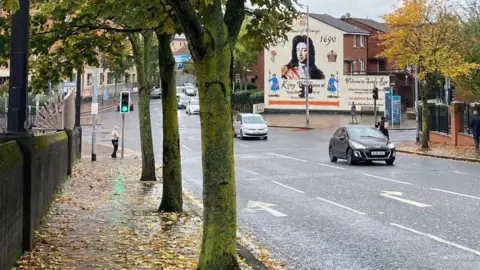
[[285, 186], [331, 166], [455, 193], [254, 173], [438, 239], [242, 145], [298, 159], [339, 205], [387, 179], [186, 147], [460, 172]]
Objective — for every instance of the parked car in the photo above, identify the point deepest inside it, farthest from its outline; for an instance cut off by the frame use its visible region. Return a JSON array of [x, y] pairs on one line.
[[193, 107], [190, 89], [156, 93], [250, 125], [180, 90], [182, 101], [131, 106], [361, 143]]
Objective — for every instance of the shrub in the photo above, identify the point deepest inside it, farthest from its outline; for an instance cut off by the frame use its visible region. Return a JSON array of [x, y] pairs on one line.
[[242, 101]]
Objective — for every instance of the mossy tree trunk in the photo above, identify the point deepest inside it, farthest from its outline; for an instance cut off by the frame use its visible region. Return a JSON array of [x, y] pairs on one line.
[[142, 52], [172, 169], [211, 38]]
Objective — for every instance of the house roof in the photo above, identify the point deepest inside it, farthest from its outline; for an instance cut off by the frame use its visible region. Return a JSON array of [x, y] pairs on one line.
[[182, 50], [374, 24], [339, 24]]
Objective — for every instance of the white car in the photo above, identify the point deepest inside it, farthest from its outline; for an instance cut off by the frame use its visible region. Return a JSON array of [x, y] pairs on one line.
[[190, 89], [250, 125], [193, 107]]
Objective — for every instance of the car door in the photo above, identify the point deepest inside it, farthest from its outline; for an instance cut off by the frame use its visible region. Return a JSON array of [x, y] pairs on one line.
[[343, 143], [237, 124], [335, 141]]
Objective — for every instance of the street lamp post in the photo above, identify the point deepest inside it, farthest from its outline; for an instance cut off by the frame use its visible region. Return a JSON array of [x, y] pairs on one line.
[[17, 100], [307, 109], [417, 124]]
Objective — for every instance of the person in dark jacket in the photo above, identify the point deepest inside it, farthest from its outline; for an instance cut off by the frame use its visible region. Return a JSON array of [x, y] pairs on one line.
[[475, 128], [382, 126]]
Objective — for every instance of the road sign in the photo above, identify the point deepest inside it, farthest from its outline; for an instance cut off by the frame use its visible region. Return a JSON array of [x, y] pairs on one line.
[[395, 196], [94, 108], [254, 206]]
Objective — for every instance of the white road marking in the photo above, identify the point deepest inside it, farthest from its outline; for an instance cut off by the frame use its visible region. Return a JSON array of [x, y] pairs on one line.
[[283, 156], [285, 186], [186, 147], [198, 122], [395, 196], [438, 239], [342, 206], [458, 172], [331, 166], [158, 124], [254, 173], [242, 145], [387, 179], [254, 206], [455, 193]]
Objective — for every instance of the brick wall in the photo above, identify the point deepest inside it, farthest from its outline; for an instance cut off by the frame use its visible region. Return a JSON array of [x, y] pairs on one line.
[[457, 137], [355, 53], [259, 70], [11, 204], [29, 177]]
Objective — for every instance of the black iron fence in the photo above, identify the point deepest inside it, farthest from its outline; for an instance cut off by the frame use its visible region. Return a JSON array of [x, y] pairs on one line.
[[438, 118], [467, 117]]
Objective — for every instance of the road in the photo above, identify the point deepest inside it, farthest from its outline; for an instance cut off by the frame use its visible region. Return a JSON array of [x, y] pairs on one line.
[[421, 213]]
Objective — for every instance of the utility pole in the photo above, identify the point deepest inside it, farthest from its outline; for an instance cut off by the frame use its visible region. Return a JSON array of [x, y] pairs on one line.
[[18, 92], [94, 114], [417, 124], [307, 109]]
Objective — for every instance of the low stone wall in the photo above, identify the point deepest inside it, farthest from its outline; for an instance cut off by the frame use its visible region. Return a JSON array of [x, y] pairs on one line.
[[32, 169], [11, 204]]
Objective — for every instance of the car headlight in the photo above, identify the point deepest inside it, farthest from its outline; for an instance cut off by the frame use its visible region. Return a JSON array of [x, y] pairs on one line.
[[357, 145], [390, 145]]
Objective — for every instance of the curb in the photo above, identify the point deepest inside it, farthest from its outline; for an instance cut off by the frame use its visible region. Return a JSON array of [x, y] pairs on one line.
[[305, 128], [242, 251], [438, 156], [100, 110]]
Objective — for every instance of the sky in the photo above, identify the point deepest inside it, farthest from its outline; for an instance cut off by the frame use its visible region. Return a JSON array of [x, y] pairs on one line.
[[371, 9]]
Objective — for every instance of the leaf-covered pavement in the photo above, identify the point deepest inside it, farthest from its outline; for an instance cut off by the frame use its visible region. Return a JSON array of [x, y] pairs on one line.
[[106, 219], [442, 150]]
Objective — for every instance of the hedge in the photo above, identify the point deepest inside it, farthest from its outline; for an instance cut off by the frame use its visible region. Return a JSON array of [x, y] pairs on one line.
[[242, 101]]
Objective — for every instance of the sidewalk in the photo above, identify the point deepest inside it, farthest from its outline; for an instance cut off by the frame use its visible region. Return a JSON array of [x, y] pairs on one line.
[[441, 151], [106, 219], [326, 121]]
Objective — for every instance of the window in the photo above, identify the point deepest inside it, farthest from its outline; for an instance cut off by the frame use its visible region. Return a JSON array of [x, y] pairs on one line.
[[354, 41], [354, 67], [362, 43], [89, 79], [338, 132], [102, 78], [362, 66], [381, 65], [110, 78]]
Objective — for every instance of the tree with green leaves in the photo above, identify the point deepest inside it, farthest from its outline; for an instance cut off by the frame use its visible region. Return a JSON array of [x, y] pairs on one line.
[[212, 28]]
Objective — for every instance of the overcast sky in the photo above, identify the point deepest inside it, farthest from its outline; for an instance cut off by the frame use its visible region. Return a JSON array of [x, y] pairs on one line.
[[372, 9]]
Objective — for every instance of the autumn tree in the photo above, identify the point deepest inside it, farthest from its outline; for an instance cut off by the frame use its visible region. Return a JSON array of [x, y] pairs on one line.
[[424, 33], [212, 28]]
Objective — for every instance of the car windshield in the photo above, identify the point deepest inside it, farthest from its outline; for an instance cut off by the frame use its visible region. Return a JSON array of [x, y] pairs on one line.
[[194, 102], [184, 98], [364, 132], [253, 119]]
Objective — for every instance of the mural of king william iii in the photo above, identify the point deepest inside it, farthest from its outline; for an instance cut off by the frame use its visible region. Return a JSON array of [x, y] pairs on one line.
[[296, 69]]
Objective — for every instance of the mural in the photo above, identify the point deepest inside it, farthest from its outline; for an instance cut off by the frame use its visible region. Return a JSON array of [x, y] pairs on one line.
[[318, 59]]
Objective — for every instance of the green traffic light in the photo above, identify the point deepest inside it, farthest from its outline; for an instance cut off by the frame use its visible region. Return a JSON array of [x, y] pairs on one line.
[[124, 108]]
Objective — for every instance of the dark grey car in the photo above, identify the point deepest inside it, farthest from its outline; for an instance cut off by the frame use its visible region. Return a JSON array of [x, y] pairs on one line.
[[361, 143]]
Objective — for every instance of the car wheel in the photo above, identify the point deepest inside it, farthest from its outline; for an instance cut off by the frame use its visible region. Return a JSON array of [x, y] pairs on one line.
[[234, 133], [350, 160], [241, 135], [390, 161], [331, 155], [265, 138]]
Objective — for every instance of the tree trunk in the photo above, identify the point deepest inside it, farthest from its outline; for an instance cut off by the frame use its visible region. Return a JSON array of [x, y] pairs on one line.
[[219, 192], [142, 53], [172, 169], [425, 131]]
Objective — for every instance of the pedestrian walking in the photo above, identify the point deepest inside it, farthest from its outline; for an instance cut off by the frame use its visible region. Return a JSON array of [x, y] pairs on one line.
[[475, 129], [383, 127], [115, 137], [353, 112]]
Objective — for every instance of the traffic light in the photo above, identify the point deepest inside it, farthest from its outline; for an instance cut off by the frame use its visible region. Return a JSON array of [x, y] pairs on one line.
[[375, 93], [124, 102], [310, 88], [302, 91]]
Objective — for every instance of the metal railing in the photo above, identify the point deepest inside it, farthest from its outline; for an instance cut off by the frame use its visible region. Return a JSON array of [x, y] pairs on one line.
[[438, 118]]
